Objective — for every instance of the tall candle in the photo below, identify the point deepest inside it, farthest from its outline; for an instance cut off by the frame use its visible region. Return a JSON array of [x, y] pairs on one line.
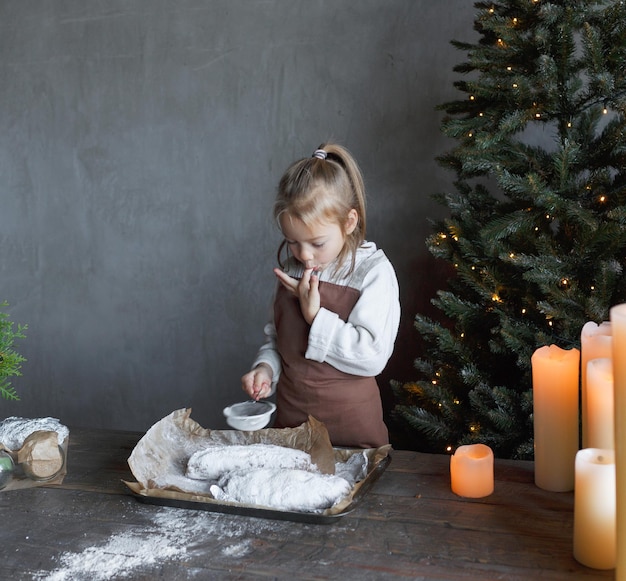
[[555, 377], [594, 508], [471, 471], [600, 407], [618, 327], [595, 342]]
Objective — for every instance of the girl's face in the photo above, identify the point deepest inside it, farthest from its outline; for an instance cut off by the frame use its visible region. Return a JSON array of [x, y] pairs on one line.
[[316, 245]]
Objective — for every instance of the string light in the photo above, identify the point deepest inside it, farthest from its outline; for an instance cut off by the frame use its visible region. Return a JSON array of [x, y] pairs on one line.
[[448, 448], [603, 199], [523, 311]]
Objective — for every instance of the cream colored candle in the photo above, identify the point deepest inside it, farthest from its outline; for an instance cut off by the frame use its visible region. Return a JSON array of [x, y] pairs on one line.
[[618, 328], [595, 342], [555, 376], [600, 407], [471, 471], [594, 508]]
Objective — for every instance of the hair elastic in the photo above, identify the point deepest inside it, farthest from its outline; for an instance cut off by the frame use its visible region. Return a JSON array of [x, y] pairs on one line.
[[320, 154]]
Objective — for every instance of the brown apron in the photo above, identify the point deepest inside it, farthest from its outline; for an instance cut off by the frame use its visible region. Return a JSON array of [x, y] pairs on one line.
[[349, 405]]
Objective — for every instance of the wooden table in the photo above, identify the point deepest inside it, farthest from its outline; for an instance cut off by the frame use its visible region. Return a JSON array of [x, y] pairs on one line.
[[408, 526]]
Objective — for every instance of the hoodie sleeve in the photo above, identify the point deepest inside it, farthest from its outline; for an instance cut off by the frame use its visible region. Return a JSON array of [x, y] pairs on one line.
[[363, 344]]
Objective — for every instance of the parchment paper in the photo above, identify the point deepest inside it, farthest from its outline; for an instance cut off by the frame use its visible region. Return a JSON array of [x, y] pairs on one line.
[[159, 459]]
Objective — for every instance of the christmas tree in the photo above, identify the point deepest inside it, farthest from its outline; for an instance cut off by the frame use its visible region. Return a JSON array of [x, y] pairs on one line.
[[536, 228]]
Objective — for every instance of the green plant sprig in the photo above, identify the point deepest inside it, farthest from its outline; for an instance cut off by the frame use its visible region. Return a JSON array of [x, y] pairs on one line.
[[10, 360]]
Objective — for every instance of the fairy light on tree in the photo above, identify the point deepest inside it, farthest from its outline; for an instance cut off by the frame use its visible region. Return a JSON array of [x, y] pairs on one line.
[[536, 230]]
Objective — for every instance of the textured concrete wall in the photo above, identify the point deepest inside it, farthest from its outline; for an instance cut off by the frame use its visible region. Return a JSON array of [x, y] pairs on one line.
[[141, 142]]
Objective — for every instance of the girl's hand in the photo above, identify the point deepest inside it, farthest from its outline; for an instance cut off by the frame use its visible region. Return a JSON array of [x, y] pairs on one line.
[[306, 289], [258, 382]]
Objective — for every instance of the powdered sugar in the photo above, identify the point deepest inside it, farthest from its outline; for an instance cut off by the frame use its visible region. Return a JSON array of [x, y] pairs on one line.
[[271, 476], [212, 462], [169, 535], [282, 489]]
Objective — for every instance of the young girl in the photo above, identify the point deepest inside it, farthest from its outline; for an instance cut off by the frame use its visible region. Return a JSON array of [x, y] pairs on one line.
[[336, 308]]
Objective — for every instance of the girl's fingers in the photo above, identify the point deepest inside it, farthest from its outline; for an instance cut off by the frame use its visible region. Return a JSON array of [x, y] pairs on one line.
[[289, 283]]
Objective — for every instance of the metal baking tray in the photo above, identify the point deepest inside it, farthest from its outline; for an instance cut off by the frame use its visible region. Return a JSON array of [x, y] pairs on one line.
[[269, 513]]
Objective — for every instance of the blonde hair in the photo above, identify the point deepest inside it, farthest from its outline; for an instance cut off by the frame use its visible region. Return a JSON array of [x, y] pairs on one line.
[[324, 189]]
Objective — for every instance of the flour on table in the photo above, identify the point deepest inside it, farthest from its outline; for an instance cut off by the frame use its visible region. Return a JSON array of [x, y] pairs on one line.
[[289, 489], [212, 462], [170, 535], [14, 430]]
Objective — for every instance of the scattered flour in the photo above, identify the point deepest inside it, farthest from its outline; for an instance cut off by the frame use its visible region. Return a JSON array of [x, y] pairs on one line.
[[237, 550], [14, 430], [169, 535]]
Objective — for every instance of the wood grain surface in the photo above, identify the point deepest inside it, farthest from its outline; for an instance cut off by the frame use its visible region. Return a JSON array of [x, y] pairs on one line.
[[408, 526]]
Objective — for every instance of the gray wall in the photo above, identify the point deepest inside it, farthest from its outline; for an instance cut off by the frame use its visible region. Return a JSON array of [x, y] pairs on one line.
[[141, 142]]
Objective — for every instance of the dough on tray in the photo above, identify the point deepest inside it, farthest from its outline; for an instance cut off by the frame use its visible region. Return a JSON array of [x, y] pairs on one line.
[[291, 489], [212, 462]]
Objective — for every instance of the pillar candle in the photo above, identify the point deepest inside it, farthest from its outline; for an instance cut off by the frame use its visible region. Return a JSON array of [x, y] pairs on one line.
[[594, 508], [618, 328], [555, 376], [471, 471], [595, 341], [600, 408]]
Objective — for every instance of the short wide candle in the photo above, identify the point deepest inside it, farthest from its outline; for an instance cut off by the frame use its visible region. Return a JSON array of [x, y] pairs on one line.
[[594, 508], [471, 471]]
